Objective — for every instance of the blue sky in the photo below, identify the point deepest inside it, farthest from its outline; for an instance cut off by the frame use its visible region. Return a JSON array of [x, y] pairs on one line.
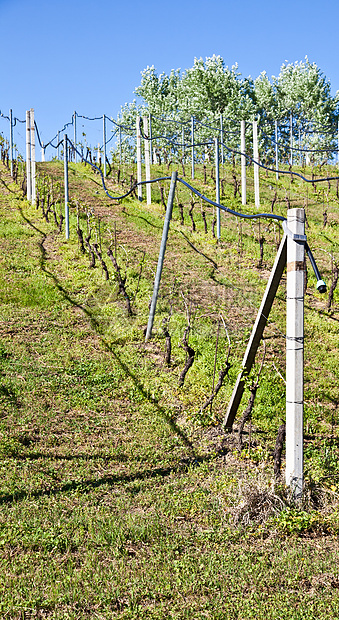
[[87, 56]]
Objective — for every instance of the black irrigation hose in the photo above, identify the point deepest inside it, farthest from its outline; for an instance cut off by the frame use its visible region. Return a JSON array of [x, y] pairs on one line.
[[103, 179], [297, 174], [96, 118], [120, 126], [112, 136], [231, 211]]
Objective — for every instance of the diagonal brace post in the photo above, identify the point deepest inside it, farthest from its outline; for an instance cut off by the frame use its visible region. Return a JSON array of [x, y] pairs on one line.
[[168, 217], [257, 332]]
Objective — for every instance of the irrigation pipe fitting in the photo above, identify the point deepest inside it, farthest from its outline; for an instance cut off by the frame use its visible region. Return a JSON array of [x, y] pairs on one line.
[[321, 285]]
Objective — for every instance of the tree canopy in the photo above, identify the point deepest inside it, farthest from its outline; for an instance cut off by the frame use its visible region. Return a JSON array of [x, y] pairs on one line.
[[210, 88]]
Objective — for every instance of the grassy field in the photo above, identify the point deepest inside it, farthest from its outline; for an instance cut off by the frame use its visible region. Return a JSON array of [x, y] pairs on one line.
[[120, 496]]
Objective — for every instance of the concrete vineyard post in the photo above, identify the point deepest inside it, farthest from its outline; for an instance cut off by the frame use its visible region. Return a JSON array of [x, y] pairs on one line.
[[139, 170], [66, 187], [75, 134], [276, 149], [243, 161], [183, 143], [33, 166], [295, 350], [150, 139], [28, 155], [255, 162], [168, 216], [58, 145], [42, 152], [147, 161], [291, 140], [217, 184]]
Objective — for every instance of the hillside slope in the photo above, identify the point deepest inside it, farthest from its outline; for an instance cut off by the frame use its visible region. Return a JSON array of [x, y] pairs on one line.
[[120, 498]]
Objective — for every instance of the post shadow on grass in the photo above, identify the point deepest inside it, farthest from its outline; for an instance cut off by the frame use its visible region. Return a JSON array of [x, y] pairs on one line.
[[140, 217], [96, 327], [86, 486]]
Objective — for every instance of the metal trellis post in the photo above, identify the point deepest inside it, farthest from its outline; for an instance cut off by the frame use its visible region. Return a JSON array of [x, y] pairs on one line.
[[243, 161], [222, 139], [192, 142], [256, 167], [217, 184], [168, 216], [11, 140], [104, 141], [66, 187]]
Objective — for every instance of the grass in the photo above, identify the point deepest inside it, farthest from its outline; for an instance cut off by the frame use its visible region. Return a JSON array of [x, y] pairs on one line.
[[119, 499]]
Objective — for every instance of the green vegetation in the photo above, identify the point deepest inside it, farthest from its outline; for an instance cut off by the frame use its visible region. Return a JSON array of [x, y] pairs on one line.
[[121, 497]]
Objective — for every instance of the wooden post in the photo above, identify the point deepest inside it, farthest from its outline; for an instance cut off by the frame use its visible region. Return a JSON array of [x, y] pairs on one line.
[[295, 350], [28, 155], [243, 161], [66, 187], [139, 171], [257, 332], [33, 166], [276, 150], [217, 184], [147, 161], [256, 167], [120, 146]]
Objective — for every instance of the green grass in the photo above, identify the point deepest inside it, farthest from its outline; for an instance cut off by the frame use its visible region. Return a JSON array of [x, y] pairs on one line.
[[119, 499]]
